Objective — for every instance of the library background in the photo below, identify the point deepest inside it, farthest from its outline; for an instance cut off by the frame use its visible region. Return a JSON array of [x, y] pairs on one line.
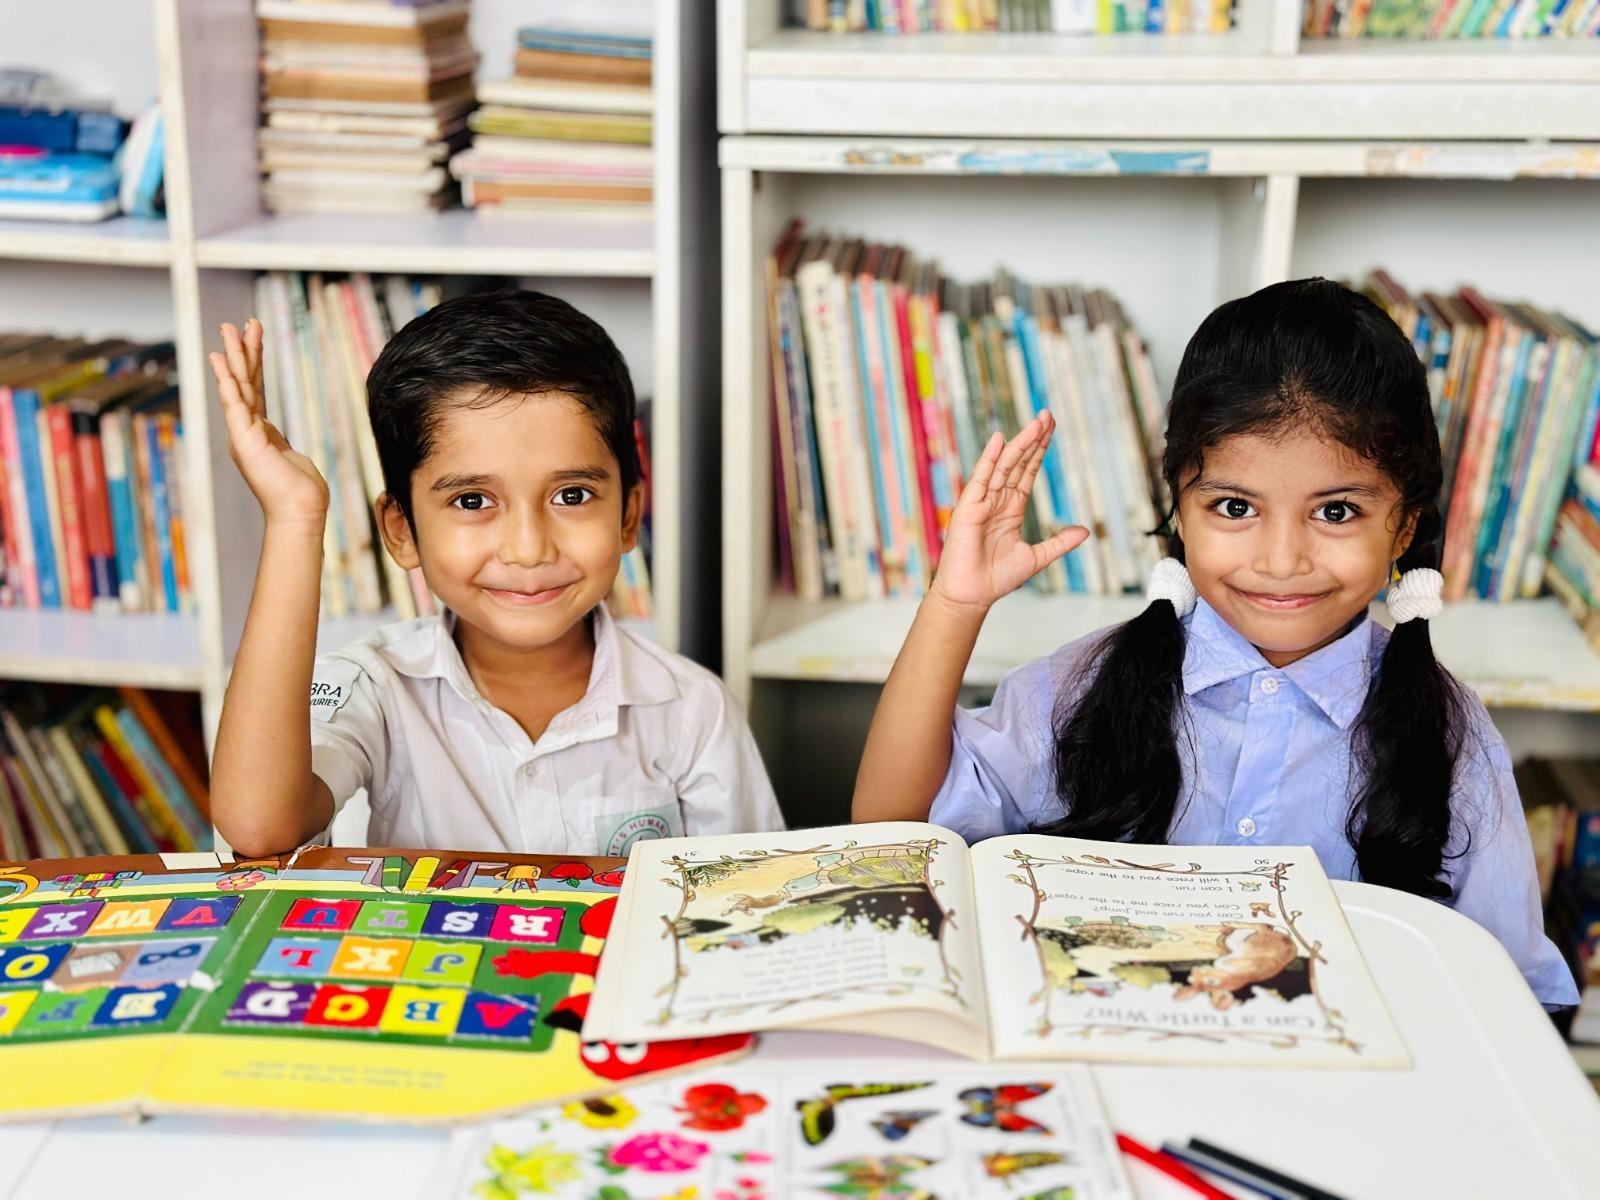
[[1006, 205]]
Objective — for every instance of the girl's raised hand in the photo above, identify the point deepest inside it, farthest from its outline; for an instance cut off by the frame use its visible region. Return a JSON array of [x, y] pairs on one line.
[[286, 483], [984, 555]]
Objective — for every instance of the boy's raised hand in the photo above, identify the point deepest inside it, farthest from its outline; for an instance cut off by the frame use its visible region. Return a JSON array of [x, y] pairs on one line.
[[984, 555], [286, 483]]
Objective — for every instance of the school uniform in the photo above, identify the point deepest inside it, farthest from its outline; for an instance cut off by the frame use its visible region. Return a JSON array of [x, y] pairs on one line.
[[1267, 762], [655, 748]]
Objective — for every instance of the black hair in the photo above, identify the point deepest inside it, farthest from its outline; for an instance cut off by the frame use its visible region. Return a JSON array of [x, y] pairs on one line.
[[476, 350], [1306, 352]]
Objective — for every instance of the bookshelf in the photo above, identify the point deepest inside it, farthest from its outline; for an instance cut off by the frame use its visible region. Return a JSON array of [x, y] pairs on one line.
[[182, 276], [1175, 172]]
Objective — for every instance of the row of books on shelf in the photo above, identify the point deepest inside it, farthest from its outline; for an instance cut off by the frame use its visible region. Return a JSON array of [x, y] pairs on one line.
[[321, 336], [369, 107], [1015, 16], [1443, 19], [92, 476], [887, 380], [66, 158], [1573, 570], [1561, 800], [1516, 390], [98, 772]]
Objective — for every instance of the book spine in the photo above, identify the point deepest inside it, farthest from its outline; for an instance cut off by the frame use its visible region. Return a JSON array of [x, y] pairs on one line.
[[914, 418], [52, 505], [863, 298], [140, 821], [161, 511], [156, 810], [162, 777], [96, 509], [108, 836], [144, 498], [124, 512], [161, 734], [22, 570], [25, 414], [135, 836], [74, 531]]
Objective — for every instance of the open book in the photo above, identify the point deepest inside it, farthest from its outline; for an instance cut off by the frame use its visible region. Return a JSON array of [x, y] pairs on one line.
[[1024, 947]]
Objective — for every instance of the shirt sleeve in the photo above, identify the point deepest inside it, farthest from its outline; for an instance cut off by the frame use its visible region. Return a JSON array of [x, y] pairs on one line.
[[1495, 881], [1000, 775], [725, 788], [349, 737]]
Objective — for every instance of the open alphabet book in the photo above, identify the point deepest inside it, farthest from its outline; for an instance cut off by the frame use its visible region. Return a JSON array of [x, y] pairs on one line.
[[1023, 947]]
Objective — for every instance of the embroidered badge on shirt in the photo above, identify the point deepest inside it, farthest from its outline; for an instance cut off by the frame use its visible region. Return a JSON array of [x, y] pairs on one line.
[[331, 685], [615, 836]]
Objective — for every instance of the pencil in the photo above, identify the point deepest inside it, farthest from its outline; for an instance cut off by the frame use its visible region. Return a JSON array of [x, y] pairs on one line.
[[1267, 1174], [1170, 1167]]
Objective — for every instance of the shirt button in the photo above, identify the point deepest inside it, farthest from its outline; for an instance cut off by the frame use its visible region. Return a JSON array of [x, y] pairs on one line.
[[1247, 827], [1269, 685]]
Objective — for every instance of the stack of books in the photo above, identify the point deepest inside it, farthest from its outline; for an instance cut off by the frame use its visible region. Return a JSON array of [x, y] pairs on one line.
[[1573, 569], [1561, 800], [887, 382], [570, 131], [1516, 391], [1018, 16], [1439, 19], [322, 335], [56, 153], [364, 101], [98, 773], [91, 476]]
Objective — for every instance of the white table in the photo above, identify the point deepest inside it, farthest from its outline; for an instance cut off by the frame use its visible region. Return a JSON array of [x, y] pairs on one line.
[[1494, 1106]]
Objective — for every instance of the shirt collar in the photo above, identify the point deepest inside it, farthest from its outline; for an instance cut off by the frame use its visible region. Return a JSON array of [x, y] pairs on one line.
[[623, 672], [1335, 678]]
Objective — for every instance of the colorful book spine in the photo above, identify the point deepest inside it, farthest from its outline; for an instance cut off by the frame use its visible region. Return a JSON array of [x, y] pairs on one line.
[[98, 527], [149, 431], [21, 566], [69, 490], [25, 414]]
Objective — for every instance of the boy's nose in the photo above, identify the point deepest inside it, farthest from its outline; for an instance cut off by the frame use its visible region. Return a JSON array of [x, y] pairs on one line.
[[524, 540]]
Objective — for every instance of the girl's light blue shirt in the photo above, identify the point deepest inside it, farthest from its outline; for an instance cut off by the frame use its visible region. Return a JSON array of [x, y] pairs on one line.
[[1267, 763]]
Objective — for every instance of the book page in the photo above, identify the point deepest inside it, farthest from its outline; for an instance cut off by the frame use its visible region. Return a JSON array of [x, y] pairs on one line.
[[1225, 955], [782, 930]]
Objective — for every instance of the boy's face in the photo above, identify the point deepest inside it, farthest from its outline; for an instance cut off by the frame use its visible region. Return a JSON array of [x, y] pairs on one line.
[[1289, 538], [521, 518]]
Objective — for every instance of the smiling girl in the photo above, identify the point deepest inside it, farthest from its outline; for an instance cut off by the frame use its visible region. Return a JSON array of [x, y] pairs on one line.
[[1253, 702]]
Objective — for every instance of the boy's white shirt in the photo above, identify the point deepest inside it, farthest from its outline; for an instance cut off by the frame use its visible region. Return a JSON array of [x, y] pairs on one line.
[[655, 748]]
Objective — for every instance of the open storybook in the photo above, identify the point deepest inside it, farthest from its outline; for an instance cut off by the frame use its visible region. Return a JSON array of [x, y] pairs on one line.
[[1024, 947]]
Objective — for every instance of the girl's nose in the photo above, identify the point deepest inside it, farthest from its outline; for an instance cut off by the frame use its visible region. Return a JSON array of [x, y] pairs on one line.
[[1284, 552]]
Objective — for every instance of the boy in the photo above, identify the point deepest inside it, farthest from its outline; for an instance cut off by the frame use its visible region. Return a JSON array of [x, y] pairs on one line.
[[522, 718]]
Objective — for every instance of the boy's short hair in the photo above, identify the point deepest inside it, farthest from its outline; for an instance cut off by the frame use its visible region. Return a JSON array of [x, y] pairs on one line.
[[476, 350]]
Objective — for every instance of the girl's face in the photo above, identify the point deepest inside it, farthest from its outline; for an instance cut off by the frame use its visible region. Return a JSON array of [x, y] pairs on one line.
[[1289, 537]]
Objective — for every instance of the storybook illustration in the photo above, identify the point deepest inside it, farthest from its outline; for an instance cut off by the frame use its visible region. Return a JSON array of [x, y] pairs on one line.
[[414, 985], [1020, 947]]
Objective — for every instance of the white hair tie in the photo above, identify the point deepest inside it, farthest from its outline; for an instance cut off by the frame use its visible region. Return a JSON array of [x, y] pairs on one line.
[[1170, 581], [1417, 593]]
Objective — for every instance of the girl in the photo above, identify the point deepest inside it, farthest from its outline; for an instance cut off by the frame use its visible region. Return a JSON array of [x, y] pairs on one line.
[[1252, 701]]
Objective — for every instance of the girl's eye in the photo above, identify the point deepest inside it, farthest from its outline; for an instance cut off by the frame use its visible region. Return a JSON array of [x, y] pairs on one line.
[[1337, 512], [1234, 508], [471, 502], [569, 497]]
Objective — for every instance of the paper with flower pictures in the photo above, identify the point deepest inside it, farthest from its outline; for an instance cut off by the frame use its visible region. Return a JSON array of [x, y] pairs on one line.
[[1222, 955], [758, 931], [856, 1129]]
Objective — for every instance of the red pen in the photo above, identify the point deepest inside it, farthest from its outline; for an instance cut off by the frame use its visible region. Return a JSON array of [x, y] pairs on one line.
[[1170, 1167]]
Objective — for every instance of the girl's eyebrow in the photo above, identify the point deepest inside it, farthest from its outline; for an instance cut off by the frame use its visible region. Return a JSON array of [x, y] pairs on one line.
[[1354, 489], [1222, 485], [581, 475]]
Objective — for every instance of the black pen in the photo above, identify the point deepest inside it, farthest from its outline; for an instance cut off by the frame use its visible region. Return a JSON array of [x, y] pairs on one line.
[[1267, 1174], [1212, 1166]]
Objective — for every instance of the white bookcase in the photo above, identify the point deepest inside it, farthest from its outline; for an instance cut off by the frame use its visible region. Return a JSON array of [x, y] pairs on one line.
[[183, 276], [1176, 172]]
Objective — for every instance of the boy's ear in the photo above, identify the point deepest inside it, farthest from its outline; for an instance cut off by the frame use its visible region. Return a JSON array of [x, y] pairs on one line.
[[632, 515], [398, 537]]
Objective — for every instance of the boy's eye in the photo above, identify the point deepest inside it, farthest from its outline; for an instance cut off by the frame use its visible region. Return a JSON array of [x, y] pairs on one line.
[[571, 496], [1234, 508], [471, 502], [1337, 512]]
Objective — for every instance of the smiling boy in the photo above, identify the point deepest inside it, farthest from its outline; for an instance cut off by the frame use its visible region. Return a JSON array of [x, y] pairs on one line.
[[523, 718]]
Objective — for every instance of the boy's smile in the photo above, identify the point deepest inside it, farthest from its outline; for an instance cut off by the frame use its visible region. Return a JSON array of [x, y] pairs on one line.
[[520, 523], [1289, 537]]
